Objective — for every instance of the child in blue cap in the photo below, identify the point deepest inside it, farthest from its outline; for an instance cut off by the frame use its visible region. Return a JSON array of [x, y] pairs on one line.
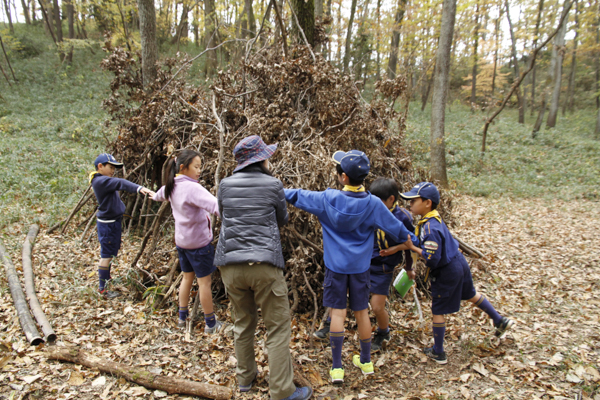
[[110, 213], [349, 218], [447, 268]]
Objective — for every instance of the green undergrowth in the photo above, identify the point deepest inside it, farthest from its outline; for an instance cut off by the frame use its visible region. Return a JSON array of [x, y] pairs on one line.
[[563, 162]]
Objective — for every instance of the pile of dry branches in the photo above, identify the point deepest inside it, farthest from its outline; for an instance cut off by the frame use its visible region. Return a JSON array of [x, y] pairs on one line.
[[301, 102]]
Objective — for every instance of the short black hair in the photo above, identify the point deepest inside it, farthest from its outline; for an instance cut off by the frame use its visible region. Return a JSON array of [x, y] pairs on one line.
[[352, 182], [384, 188]]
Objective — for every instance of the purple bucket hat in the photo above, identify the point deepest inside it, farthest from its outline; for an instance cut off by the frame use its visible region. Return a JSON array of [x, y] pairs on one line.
[[251, 150]]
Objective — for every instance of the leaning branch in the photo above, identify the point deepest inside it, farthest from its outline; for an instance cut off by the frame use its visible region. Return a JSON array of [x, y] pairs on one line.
[[515, 85]]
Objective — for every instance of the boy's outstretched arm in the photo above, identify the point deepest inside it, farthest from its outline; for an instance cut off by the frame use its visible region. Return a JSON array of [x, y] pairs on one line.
[[312, 202]]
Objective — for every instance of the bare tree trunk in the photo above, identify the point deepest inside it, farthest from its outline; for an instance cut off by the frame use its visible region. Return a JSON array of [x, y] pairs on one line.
[[440, 94], [349, 36], [378, 56], [250, 14], [210, 27], [540, 118], [427, 83], [535, 39], [558, 52], [8, 16], [33, 10], [475, 59], [515, 64], [496, 45], [568, 104], [147, 15], [196, 25], [57, 21], [305, 12], [70, 12], [26, 12], [393, 60], [597, 56]]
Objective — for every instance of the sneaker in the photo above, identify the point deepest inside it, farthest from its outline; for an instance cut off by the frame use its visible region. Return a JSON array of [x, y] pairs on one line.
[[301, 393], [503, 326], [378, 339], [366, 368], [109, 294], [323, 333], [337, 375], [438, 358], [215, 329], [180, 323], [246, 388]]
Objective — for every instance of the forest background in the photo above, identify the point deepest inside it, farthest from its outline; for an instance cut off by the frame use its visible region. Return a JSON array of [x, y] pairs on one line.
[[541, 162]]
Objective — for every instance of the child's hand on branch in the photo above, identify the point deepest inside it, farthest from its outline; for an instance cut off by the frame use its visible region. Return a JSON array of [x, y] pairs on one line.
[[147, 191], [411, 274]]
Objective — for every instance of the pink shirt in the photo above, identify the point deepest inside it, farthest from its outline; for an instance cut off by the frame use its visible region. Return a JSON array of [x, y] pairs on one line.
[[192, 205]]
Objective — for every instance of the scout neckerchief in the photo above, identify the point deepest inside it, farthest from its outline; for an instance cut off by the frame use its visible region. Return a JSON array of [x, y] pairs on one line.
[[431, 214], [381, 241], [355, 189], [92, 174]]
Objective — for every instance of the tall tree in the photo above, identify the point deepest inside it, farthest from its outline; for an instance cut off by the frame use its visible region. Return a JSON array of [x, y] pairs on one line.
[[349, 35], [496, 47], [147, 15], [568, 104], [475, 57], [597, 59], [70, 14], [210, 30], [8, 16], [26, 12], [515, 61], [558, 52], [395, 43], [535, 40], [440, 90], [305, 11]]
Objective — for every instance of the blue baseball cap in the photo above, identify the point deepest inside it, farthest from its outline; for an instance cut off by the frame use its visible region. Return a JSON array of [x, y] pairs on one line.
[[425, 190], [354, 163], [106, 158]]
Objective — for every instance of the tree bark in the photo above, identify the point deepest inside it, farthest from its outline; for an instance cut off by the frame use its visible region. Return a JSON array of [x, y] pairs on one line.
[[16, 291], [440, 94], [70, 15], [517, 74], [568, 104], [475, 59], [33, 10], [496, 45], [210, 27], [349, 36], [558, 52], [305, 12], [26, 12], [28, 278], [8, 16], [395, 43], [147, 15], [249, 9], [57, 21], [535, 39], [8, 60], [540, 118], [140, 376]]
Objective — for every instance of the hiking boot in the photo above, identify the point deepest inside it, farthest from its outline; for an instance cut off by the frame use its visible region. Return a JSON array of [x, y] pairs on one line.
[[337, 375], [379, 339], [215, 329], [109, 294], [246, 388], [301, 393], [438, 358], [366, 368], [503, 326], [180, 323], [323, 333]]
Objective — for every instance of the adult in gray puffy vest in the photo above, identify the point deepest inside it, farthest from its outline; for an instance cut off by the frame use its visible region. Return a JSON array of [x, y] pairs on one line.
[[252, 207]]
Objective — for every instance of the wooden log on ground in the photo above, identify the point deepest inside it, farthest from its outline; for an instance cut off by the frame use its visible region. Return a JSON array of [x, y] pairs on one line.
[[31, 332], [140, 376], [469, 249], [34, 304]]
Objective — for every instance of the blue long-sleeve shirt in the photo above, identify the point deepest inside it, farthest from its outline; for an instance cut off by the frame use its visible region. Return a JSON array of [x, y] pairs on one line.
[[110, 206], [348, 223]]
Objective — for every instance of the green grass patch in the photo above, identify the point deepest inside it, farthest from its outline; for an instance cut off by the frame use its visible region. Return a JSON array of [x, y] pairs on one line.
[[561, 162]]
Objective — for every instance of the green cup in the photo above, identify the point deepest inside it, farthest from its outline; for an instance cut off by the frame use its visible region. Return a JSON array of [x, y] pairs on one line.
[[402, 283]]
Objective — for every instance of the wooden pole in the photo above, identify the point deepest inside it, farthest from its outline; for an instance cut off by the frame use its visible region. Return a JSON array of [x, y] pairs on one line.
[[31, 332], [7, 60], [34, 304], [80, 203], [140, 376]]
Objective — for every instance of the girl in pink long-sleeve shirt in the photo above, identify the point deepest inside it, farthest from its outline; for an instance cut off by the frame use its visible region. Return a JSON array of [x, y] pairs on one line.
[[192, 206]]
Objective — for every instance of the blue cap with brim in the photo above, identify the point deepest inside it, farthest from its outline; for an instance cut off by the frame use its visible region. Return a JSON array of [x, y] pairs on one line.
[[106, 158], [425, 190], [354, 163]]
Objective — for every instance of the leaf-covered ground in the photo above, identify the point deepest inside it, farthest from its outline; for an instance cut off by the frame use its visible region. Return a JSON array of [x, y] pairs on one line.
[[542, 269]]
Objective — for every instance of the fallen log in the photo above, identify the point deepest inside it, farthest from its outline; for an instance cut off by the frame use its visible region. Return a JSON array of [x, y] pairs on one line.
[[140, 376], [34, 304], [27, 324], [469, 249]]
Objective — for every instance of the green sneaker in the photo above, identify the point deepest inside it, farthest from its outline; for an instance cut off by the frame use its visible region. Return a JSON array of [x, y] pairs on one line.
[[366, 368], [337, 375]]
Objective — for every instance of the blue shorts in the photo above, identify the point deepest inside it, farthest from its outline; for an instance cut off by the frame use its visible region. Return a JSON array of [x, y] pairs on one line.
[[381, 279], [199, 260], [109, 236], [338, 287], [452, 284]]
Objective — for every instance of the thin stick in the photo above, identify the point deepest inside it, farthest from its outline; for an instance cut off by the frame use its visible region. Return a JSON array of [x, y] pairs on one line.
[[87, 227], [173, 286], [314, 321], [135, 205], [5, 76], [34, 303], [421, 320], [76, 208], [7, 60]]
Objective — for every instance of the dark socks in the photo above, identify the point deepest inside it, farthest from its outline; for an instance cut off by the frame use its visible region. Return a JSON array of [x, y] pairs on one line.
[[183, 313], [336, 339], [103, 276], [210, 319], [489, 309], [383, 331], [365, 350], [439, 330]]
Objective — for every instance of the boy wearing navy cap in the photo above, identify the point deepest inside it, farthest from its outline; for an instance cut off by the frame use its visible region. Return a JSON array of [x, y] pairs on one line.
[[387, 254], [448, 269], [349, 218], [110, 213]]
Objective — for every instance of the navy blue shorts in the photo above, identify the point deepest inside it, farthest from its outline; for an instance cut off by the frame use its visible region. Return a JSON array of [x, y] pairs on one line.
[[338, 287], [109, 236], [453, 284], [381, 279], [199, 260]]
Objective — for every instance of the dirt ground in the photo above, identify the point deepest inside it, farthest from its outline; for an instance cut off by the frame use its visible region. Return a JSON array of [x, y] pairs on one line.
[[542, 268]]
